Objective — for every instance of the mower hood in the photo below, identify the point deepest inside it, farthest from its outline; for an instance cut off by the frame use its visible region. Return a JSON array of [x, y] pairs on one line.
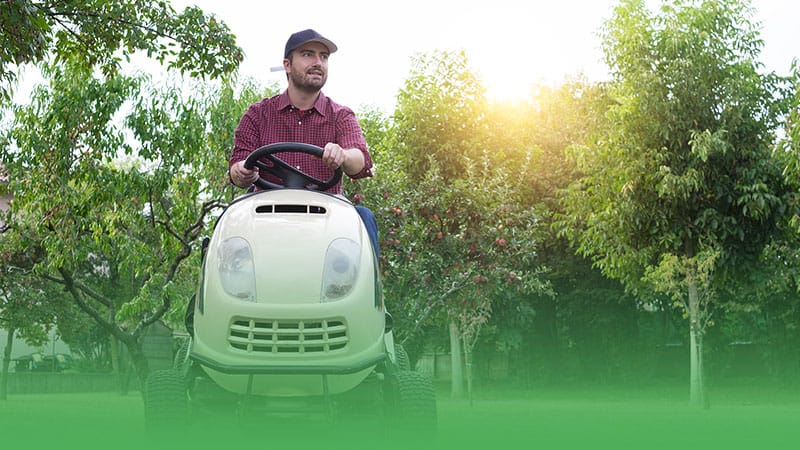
[[288, 247]]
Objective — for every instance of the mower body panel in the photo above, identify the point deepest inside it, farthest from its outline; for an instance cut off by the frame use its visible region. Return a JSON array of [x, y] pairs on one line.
[[280, 335]]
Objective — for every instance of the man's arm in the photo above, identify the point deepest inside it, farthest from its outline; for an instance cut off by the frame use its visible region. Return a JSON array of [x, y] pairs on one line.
[[356, 161], [244, 142], [351, 160]]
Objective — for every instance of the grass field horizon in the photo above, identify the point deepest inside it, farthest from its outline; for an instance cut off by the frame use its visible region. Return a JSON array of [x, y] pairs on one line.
[[746, 413]]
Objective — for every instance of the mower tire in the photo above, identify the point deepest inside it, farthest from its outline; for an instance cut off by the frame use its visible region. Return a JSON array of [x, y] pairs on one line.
[[411, 402], [401, 358], [165, 402]]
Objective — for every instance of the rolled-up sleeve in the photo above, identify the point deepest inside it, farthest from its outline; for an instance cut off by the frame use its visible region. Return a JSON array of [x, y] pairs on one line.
[[246, 138], [351, 136]]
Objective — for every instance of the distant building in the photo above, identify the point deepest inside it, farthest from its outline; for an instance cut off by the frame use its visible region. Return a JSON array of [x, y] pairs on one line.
[[159, 345]]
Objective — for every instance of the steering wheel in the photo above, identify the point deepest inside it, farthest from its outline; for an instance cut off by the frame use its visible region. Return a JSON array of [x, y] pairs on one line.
[[293, 177]]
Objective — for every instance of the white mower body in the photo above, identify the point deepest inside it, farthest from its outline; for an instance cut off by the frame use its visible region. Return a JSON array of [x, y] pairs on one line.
[[289, 302]]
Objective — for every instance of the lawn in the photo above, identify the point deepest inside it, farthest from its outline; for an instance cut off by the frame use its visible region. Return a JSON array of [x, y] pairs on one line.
[[748, 414]]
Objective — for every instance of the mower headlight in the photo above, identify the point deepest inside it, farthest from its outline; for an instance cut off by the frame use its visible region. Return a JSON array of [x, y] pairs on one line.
[[341, 269], [236, 269]]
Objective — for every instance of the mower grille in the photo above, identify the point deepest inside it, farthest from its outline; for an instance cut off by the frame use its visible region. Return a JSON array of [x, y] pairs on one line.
[[288, 336]]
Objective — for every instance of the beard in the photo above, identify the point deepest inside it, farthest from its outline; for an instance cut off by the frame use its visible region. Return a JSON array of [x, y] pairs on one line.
[[306, 83]]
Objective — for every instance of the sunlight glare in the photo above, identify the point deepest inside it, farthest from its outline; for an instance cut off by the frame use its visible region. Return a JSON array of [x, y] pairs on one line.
[[526, 44]]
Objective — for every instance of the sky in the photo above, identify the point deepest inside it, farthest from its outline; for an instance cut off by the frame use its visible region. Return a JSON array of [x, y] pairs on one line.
[[510, 44]]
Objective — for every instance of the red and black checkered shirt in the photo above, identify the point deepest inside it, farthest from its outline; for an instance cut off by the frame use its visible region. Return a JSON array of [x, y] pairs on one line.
[[274, 120]]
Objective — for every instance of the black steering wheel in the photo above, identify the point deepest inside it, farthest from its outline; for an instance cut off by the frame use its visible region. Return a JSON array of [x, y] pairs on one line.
[[292, 177]]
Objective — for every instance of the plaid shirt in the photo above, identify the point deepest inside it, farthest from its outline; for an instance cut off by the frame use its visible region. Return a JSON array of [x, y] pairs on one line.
[[274, 120]]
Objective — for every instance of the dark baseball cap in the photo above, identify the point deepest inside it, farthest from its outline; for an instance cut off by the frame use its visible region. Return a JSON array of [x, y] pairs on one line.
[[304, 37]]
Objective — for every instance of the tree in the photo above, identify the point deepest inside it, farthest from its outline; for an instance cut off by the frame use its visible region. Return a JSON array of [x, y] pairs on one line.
[[788, 148], [76, 38], [681, 192], [585, 314], [455, 244], [102, 33], [115, 209], [24, 313], [782, 265]]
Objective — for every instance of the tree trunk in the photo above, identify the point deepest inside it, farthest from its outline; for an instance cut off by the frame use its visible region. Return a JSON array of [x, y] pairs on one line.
[[468, 370], [128, 363], [138, 359], [113, 346], [116, 364], [697, 392], [456, 363], [135, 360], [6, 363]]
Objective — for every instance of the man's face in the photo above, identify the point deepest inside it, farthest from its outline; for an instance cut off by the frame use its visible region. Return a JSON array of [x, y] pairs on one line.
[[308, 68]]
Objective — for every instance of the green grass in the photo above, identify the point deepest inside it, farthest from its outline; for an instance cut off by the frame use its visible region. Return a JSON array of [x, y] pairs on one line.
[[749, 414], [745, 416]]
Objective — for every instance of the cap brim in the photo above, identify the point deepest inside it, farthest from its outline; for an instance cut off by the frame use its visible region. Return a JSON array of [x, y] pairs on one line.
[[331, 46]]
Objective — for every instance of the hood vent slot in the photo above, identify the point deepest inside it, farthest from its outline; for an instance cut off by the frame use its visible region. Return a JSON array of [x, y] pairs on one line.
[[290, 209]]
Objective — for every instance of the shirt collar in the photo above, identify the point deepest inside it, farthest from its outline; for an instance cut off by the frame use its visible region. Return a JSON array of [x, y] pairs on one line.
[[319, 105]]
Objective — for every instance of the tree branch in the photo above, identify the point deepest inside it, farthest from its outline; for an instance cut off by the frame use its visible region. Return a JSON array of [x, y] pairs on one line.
[[69, 284], [188, 236], [194, 230], [118, 20], [455, 287], [69, 30], [82, 287]]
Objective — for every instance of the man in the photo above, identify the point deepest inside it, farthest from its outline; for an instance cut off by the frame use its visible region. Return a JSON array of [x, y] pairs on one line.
[[302, 113]]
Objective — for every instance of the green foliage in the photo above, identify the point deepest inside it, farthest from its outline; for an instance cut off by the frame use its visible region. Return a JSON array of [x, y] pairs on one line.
[[440, 115], [102, 32], [680, 193], [684, 164], [86, 338], [114, 206], [458, 243], [25, 306], [788, 148]]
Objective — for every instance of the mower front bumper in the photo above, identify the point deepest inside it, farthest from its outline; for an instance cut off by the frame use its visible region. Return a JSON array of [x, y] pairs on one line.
[[286, 369]]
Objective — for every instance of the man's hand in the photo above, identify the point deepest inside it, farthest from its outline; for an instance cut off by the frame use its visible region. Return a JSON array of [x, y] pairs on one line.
[[243, 177], [350, 160], [333, 155]]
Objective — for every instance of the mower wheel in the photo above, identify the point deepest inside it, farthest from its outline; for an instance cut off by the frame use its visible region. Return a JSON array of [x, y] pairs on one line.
[[165, 402], [401, 357], [411, 402]]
